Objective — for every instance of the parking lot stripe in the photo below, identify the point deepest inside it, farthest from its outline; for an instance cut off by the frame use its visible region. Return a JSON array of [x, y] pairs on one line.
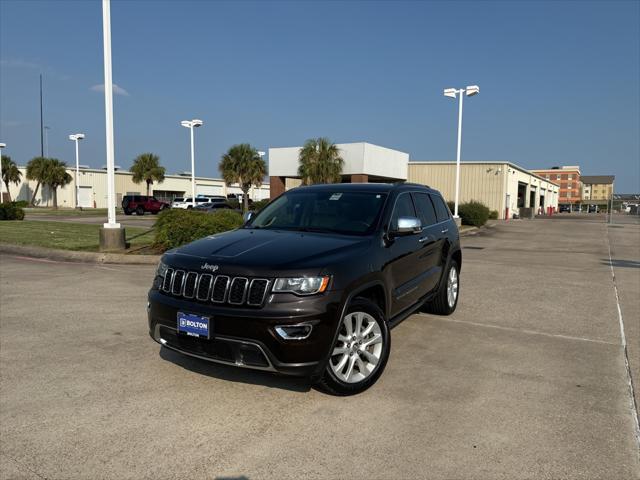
[[521, 330], [634, 407]]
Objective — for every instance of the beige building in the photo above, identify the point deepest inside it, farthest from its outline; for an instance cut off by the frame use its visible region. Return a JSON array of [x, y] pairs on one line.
[[597, 188], [501, 186], [92, 191]]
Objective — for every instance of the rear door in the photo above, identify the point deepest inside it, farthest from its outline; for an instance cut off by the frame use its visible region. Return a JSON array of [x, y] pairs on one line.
[[404, 266], [431, 241]]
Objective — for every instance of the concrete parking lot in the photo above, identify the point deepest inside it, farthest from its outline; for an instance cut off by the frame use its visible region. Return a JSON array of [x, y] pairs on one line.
[[526, 380]]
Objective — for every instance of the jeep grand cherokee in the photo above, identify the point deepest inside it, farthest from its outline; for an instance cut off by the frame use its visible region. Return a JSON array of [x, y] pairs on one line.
[[311, 285]]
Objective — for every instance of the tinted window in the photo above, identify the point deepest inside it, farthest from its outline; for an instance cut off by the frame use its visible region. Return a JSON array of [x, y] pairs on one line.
[[442, 211], [426, 213], [403, 208], [322, 211]]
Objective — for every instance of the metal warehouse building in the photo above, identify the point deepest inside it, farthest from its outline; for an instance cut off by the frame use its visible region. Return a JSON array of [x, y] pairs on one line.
[[93, 188], [501, 186]]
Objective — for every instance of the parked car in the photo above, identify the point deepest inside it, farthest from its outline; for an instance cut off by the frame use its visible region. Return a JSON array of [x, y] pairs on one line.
[[213, 206], [140, 204], [311, 285], [564, 208], [186, 202], [592, 209]]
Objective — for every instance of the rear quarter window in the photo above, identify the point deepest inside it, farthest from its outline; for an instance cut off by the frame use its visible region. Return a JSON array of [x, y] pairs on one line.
[[442, 211]]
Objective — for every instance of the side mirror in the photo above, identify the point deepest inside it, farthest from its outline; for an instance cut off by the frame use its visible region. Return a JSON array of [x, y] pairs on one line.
[[407, 226], [248, 216]]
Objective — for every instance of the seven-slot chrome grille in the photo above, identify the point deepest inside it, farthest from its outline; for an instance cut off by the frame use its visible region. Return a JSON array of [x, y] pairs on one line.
[[215, 288]]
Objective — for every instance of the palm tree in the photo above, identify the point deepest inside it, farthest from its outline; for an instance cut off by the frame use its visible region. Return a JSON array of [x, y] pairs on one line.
[[35, 169], [242, 164], [10, 173], [55, 175], [146, 168], [320, 162]]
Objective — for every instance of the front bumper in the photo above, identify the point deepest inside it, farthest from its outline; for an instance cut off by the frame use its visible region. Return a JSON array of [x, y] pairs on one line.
[[246, 337]]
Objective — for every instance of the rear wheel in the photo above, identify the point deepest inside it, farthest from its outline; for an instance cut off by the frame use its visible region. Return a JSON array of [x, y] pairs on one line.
[[446, 300], [361, 350], [139, 211]]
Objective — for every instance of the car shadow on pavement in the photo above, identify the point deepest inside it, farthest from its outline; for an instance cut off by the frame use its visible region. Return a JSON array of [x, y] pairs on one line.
[[621, 263], [235, 374]]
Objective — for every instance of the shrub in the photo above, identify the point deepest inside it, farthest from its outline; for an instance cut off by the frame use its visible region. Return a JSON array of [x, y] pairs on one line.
[[259, 205], [452, 206], [493, 215], [21, 203], [234, 203], [10, 211], [473, 213], [176, 227]]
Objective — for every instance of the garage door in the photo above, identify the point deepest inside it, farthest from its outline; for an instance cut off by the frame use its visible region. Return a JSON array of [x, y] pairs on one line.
[[85, 195]]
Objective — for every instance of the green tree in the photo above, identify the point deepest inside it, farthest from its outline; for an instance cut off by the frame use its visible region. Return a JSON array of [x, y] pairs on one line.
[[242, 165], [35, 169], [320, 162], [146, 168], [10, 173], [55, 175]]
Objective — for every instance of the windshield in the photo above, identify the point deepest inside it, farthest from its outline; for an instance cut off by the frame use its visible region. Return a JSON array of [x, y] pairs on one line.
[[350, 213]]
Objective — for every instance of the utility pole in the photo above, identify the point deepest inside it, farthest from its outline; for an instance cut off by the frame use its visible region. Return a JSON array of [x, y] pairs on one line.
[[41, 122]]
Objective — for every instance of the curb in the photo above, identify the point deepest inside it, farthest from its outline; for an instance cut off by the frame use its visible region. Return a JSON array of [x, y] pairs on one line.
[[82, 257], [469, 231]]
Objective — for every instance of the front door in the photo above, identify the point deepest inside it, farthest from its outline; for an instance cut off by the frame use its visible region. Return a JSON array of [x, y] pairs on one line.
[[404, 267]]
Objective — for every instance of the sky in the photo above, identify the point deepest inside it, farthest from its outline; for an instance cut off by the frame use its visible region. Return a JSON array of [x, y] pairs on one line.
[[559, 81]]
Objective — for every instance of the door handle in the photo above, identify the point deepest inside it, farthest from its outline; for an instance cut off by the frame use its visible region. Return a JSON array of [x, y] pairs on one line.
[[445, 230], [423, 239]]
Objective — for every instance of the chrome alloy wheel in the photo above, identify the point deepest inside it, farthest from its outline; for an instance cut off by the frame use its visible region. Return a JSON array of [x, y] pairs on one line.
[[452, 287], [359, 347]]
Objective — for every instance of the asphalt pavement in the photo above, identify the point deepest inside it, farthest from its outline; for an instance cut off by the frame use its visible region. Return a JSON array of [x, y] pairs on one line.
[[527, 379]]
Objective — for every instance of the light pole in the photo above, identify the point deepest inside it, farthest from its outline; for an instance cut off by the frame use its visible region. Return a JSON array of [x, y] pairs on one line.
[[46, 140], [112, 237], [76, 137], [452, 92], [2, 145], [191, 124]]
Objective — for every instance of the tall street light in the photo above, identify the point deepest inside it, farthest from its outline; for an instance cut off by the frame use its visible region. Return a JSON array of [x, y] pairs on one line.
[[191, 124], [76, 137], [2, 145], [452, 92], [112, 237], [46, 140]]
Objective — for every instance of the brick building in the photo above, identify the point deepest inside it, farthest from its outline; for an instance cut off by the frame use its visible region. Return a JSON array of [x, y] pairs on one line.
[[568, 178]]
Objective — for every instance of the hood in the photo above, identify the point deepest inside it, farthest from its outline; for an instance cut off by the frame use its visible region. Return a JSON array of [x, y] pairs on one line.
[[267, 250]]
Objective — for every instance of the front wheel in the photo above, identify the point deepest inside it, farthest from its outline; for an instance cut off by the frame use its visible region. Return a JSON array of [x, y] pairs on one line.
[[139, 211], [360, 352], [446, 300]]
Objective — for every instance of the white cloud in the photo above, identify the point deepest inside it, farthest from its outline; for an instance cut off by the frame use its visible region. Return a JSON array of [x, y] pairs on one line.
[[116, 89]]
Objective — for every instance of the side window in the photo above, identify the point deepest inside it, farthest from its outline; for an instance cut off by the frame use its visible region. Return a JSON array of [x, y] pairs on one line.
[[442, 211], [402, 208], [426, 212]]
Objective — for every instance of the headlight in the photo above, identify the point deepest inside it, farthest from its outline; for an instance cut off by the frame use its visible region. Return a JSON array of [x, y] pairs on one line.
[[160, 273], [162, 269], [302, 285]]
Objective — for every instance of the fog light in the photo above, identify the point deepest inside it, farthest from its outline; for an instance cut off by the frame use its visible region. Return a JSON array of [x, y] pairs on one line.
[[294, 332]]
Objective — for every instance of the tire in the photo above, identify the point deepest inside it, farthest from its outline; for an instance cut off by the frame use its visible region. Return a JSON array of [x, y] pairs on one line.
[[139, 211], [126, 211], [357, 375], [443, 304]]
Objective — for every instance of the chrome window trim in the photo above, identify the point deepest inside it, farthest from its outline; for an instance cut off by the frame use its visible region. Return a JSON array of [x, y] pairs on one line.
[[266, 289], [244, 291], [226, 288], [173, 283], [207, 296], [195, 285]]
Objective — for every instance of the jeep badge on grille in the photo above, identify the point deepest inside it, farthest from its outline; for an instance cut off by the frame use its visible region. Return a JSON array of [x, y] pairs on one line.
[[211, 268]]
